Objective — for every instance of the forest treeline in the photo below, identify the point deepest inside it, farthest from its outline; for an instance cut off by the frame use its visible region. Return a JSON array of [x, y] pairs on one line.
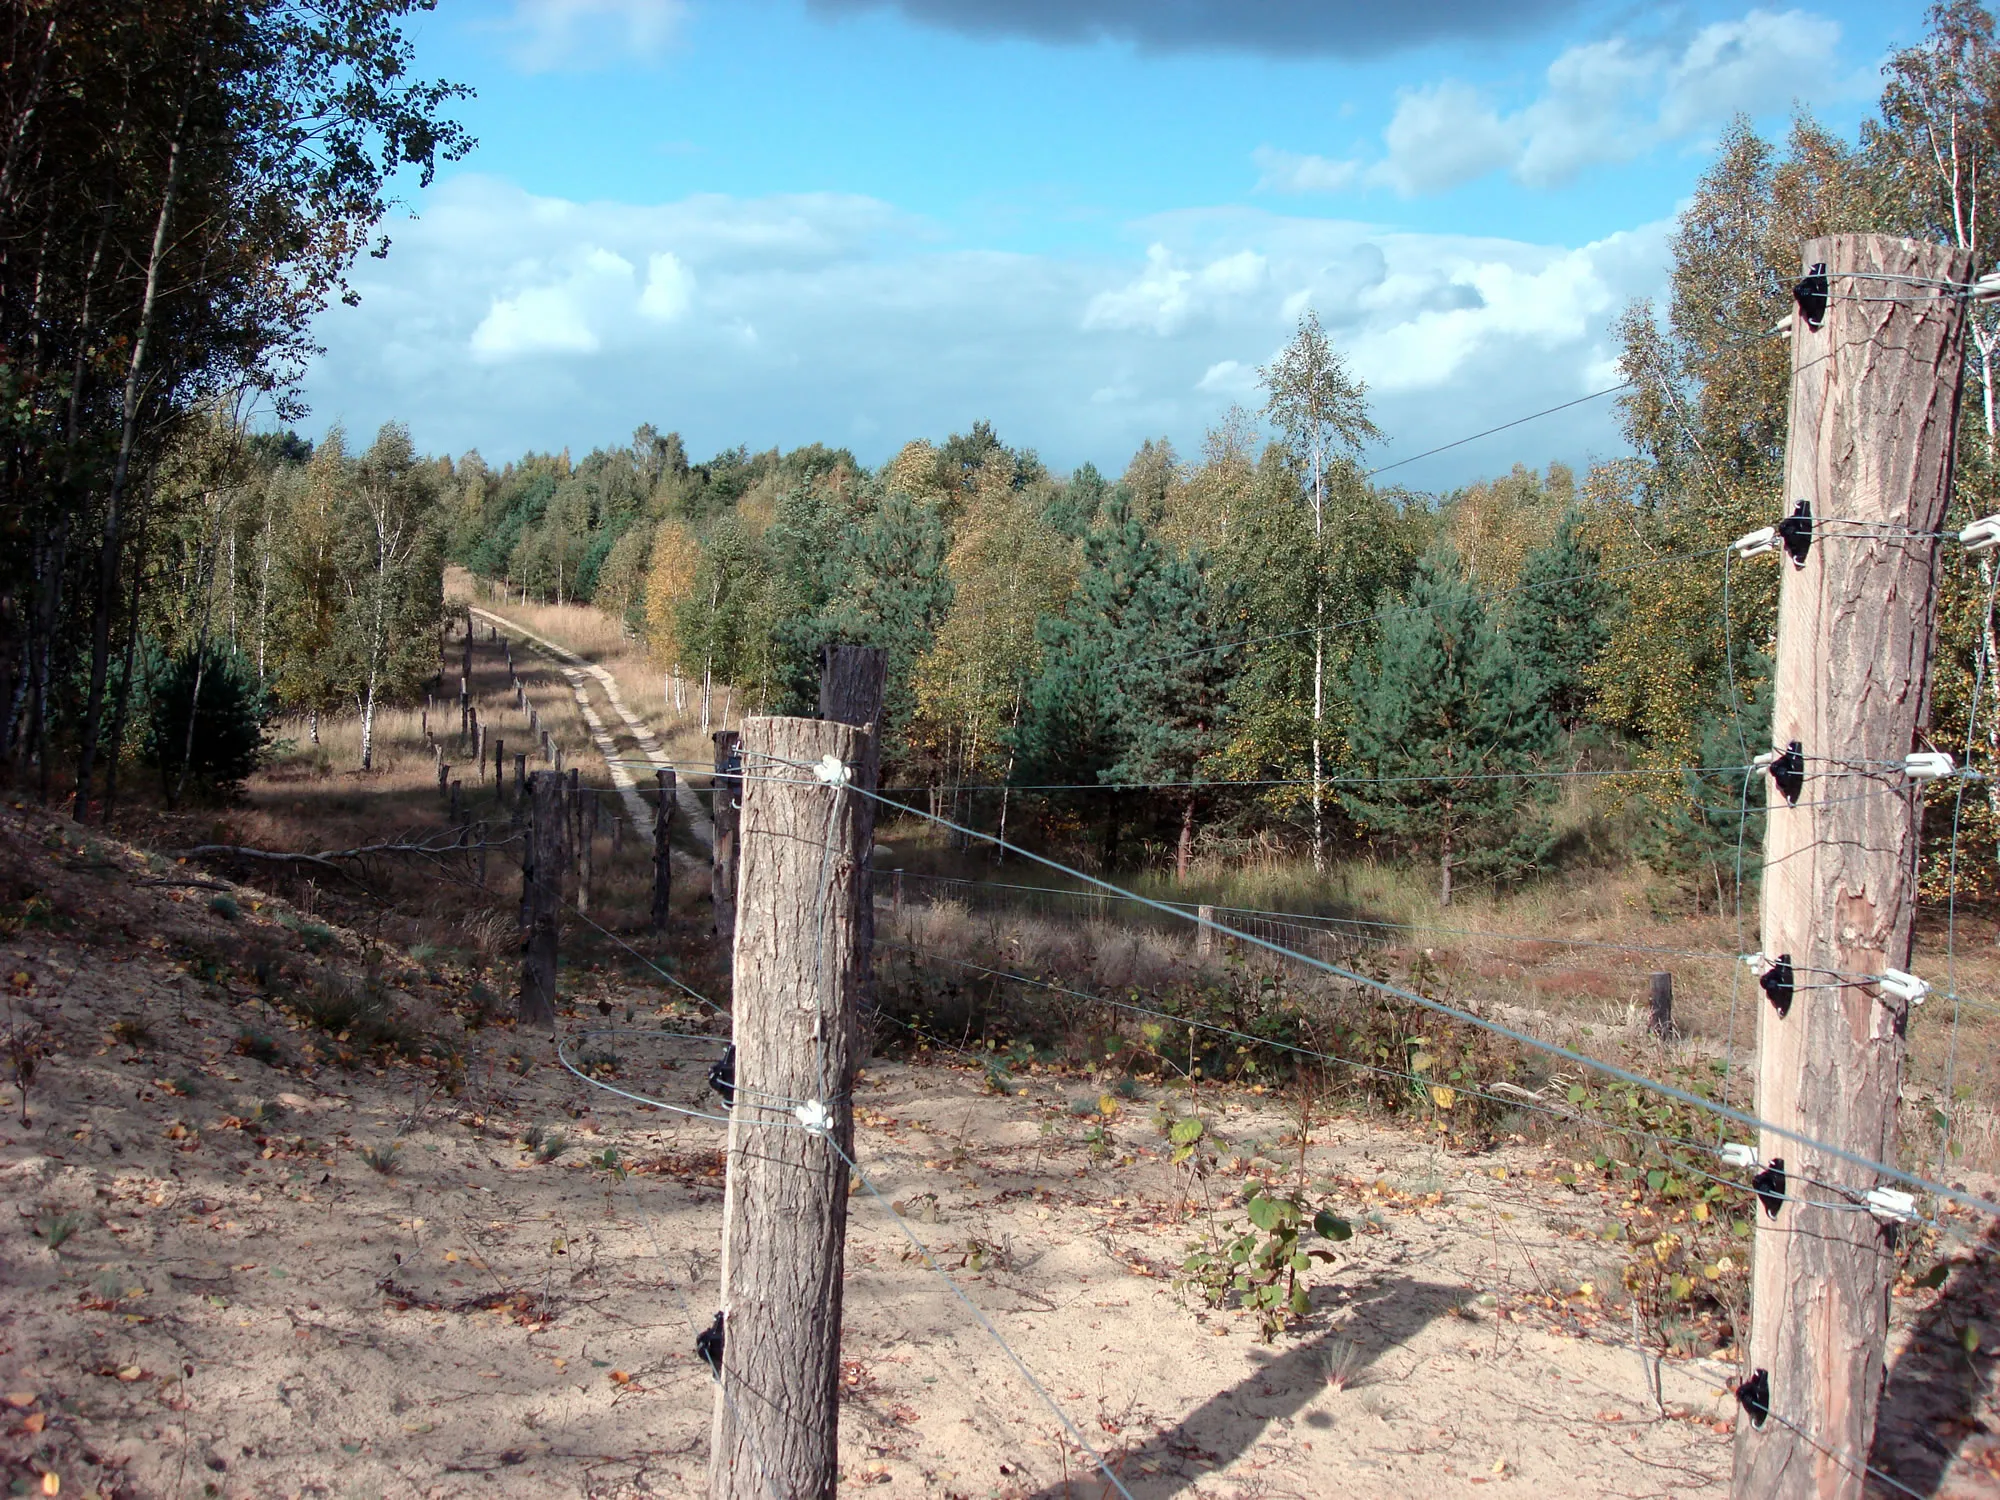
[[1251, 646]]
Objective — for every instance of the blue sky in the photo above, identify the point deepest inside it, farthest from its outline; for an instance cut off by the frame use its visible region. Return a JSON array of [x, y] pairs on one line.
[[1088, 221]]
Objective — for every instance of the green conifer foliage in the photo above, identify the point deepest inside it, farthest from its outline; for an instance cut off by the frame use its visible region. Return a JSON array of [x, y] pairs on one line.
[[1450, 720], [1562, 619]]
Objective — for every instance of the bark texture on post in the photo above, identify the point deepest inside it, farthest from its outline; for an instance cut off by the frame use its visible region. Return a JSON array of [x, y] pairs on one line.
[[1875, 391], [725, 814], [663, 859], [798, 975], [541, 899], [851, 682]]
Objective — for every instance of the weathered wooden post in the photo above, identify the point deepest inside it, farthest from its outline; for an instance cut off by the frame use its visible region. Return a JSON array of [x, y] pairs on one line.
[[663, 859], [587, 838], [897, 900], [573, 808], [520, 778], [1204, 932], [479, 744], [1878, 344], [543, 857], [457, 804], [1660, 1013], [499, 769], [727, 791], [444, 777], [798, 980]]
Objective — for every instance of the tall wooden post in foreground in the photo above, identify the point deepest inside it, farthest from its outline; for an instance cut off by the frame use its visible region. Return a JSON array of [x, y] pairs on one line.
[[1877, 349], [726, 816], [541, 899], [798, 974], [851, 682]]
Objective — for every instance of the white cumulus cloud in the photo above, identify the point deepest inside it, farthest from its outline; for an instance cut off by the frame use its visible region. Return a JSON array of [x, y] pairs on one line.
[[1599, 102], [506, 321], [553, 34]]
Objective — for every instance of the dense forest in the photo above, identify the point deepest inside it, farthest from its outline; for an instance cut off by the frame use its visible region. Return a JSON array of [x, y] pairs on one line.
[[1252, 647]]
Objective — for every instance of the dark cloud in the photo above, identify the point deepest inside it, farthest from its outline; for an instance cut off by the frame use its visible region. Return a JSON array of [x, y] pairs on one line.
[[1272, 27]]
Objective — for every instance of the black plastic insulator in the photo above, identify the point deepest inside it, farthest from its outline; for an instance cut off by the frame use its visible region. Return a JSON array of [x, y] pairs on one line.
[[1810, 292], [1780, 984], [1788, 772], [722, 1075], [1769, 1186], [1796, 532], [1754, 1396], [708, 1346]]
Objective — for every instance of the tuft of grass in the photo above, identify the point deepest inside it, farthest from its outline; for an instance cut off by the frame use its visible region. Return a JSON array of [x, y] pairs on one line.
[[362, 1014], [546, 1143], [225, 906], [58, 1229], [133, 1031], [384, 1159], [187, 1086], [258, 1046]]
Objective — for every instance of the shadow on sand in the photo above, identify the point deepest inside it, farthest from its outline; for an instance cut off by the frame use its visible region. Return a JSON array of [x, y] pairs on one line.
[[1385, 1315]]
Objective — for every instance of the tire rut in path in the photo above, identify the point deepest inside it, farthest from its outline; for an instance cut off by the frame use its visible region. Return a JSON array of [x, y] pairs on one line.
[[577, 672]]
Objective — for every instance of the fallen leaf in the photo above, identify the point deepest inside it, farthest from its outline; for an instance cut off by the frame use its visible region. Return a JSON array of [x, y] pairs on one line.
[[34, 1421], [619, 1377], [131, 1373], [1611, 1416], [51, 1483], [20, 1399]]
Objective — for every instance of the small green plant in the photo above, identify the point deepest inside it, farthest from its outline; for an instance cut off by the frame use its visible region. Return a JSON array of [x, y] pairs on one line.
[[257, 1046], [316, 937], [57, 1229], [384, 1159], [187, 1087], [607, 1161], [225, 907], [546, 1143], [1261, 1266], [133, 1031]]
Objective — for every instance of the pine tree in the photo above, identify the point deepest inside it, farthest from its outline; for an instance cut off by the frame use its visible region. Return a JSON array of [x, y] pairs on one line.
[[1562, 619], [1452, 723], [896, 594], [1133, 685]]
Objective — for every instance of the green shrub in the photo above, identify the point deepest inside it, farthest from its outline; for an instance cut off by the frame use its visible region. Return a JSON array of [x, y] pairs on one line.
[[213, 743]]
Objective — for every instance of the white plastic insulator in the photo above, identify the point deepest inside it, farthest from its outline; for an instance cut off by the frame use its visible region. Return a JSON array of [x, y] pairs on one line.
[[1891, 1205], [1757, 543], [832, 770], [1929, 765], [815, 1116], [1783, 325], [1765, 761], [1987, 287], [1903, 986], [1982, 535], [1736, 1154], [1754, 961]]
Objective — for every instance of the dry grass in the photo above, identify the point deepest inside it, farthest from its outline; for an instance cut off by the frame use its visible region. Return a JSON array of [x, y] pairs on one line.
[[589, 632]]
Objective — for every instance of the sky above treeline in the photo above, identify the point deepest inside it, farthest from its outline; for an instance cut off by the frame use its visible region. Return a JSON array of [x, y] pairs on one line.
[[857, 222]]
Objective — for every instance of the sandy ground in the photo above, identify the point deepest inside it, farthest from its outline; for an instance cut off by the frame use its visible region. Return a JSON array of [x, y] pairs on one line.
[[210, 1291]]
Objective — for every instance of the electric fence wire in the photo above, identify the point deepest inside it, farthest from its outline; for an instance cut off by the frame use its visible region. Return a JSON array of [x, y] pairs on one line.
[[1610, 390], [1518, 1098], [1961, 1196], [1027, 1374], [1336, 925]]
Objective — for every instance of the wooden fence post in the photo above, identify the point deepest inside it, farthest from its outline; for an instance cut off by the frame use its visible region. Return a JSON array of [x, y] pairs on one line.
[[573, 809], [663, 859], [543, 857], [499, 769], [586, 817], [520, 778], [728, 785], [479, 744], [1660, 1015], [1878, 344], [798, 984], [1204, 933]]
